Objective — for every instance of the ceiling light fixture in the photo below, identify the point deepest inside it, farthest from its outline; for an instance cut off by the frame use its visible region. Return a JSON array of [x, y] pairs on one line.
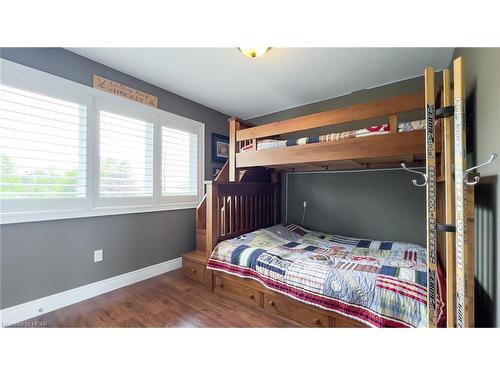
[[253, 52]]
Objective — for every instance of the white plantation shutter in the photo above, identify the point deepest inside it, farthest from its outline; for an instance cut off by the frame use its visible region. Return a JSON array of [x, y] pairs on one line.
[[180, 160], [42, 148], [69, 150], [125, 156]]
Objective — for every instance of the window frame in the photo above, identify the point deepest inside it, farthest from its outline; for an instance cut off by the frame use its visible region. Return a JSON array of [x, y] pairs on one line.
[[178, 124], [121, 110], [32, 82], [25, 78]]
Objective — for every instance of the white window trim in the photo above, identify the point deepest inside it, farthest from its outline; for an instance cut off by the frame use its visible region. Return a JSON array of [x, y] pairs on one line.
[[23, 77]]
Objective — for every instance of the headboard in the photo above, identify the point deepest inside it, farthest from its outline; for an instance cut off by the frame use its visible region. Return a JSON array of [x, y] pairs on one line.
[[235, 208]]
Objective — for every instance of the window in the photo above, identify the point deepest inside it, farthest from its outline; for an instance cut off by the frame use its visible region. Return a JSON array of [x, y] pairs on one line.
[[43, 151], [125, 157], [179, 164], [68, 150]]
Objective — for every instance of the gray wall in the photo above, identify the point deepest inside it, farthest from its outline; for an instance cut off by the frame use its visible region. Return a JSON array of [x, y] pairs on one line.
[[482, 73], [39, 259], [43, 258], [381, 205], [330, 190]]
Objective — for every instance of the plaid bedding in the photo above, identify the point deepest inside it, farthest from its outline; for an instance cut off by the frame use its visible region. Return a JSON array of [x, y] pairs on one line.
[[411, 126], [381, 283], [381, 129]]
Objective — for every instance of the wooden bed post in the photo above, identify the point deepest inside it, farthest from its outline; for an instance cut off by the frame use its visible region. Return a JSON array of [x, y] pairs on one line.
[[234, 126], [211, 228], [449, 201], [464, 234], [211, 235], [393, 123], [275, 179], [431, 197]]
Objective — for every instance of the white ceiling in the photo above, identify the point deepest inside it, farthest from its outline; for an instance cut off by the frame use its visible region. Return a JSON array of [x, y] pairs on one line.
[[226, 80]]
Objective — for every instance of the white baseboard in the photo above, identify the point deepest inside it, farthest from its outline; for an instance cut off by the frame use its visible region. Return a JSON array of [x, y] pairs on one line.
[[28, 310]]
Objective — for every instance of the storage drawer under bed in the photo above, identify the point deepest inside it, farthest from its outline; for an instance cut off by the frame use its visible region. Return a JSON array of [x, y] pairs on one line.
[[238, 290], [295, 310], [249, 291]]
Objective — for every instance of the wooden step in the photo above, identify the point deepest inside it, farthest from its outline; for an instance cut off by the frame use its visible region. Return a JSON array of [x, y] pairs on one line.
[[194, 266], [196, 256]]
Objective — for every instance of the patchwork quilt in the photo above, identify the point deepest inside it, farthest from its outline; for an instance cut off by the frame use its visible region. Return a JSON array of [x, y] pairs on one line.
[[381, 283]]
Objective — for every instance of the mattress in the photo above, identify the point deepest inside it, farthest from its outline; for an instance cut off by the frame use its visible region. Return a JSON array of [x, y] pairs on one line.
[[380, 283], [380, 129]]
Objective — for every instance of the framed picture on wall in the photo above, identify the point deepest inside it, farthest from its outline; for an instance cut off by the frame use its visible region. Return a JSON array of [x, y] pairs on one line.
[[220, 148]]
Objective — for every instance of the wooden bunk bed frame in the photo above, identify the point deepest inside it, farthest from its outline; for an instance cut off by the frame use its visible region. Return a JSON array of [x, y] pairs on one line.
[[358, 153], [245, 196]]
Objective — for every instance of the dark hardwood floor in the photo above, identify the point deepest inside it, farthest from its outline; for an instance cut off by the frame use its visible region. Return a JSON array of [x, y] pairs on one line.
[[168, 300]]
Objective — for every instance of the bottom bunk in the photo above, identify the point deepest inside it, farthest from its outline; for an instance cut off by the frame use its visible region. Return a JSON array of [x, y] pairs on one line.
[[346, 281]]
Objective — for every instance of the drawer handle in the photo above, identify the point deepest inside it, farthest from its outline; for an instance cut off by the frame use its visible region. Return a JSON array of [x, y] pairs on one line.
[[316, 321], [271, 303], [252, 296], [193, 270]]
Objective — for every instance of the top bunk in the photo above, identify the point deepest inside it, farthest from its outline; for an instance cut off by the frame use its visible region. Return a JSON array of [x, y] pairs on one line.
[[386, 143]]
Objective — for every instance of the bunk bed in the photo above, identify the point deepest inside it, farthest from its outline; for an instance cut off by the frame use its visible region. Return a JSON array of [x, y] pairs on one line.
[[244, 252]]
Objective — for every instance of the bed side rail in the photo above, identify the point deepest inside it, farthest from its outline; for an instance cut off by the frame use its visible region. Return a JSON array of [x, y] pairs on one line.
[[235, 208], [390, 107]]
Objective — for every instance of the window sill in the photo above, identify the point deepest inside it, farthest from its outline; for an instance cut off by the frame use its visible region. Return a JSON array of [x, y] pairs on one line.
[[28, 217]]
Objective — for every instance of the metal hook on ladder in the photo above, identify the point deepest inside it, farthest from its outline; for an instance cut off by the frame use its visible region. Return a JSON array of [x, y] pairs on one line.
[[477, 178], [403, 165]]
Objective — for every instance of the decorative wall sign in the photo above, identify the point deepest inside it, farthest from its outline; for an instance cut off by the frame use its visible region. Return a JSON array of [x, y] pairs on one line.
[[125, 91]]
